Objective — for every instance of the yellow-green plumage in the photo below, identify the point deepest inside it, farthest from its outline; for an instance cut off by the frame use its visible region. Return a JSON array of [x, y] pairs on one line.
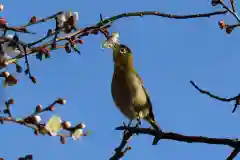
[[128, 91]]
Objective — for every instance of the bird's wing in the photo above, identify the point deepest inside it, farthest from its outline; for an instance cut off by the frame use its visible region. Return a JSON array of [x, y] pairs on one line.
[[151, 115]]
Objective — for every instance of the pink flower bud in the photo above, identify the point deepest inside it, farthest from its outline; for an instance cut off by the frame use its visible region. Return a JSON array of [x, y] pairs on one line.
[[1, 7]]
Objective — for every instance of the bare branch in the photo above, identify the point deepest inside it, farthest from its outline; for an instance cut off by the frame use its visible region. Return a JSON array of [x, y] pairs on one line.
[[165, 15], [233, 5], [182, 138], [233, 154], [119, 151], [236, 98]]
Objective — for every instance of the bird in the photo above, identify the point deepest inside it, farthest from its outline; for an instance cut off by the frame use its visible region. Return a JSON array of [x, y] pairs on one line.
[[128, 91]]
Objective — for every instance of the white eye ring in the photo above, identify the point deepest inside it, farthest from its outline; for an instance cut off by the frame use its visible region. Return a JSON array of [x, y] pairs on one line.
[[123, 51]]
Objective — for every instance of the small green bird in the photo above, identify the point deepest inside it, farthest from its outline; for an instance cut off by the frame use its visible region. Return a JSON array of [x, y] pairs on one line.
[[128, 91]]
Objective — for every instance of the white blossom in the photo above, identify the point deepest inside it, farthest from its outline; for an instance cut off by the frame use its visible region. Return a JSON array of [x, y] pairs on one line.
[[62, 18], [54, 125], [77, 134], [37, 118], [113, 39], [9, 52]]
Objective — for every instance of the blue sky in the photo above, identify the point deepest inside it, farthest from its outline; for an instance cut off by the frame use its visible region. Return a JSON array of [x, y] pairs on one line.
[[168, 54]]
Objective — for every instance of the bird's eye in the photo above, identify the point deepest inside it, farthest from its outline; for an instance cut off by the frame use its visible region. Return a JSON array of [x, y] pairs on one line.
[[123, 51]]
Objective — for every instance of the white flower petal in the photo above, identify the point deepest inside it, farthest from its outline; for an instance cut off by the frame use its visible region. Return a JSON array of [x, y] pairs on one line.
[[37, 118], [115, 34], [113, 39], [10, 36], [83, 125], [77, 134], [54, 125], [75, 14], [61, 19]]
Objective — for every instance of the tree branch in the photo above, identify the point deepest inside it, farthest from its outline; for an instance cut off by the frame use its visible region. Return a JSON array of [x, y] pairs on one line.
[[164, 15], [233, 143], [233, 154], [236, 98]]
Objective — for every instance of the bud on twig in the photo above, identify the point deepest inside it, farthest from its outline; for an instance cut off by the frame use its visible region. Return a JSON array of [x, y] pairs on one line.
[[29, 157], [33, 119], [10, 101], [66, 125], [54, 45], [1, 7], [33, 19], [62, 139], [215, 2], [61, 101], [80, 126], [3, 21], [36, 132], [5, 74], [51, 108], [222, 24], [80, 41], [49, 33], [67, 48], [39, 108], [229, 30], [18, 69], [10, 80], [34, 80]]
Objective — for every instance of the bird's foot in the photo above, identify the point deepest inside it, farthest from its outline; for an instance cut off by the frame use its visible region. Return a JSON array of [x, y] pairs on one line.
[[139, 122], [129, 124]]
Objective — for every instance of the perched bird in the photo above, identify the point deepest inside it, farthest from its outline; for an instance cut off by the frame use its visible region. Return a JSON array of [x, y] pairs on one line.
[[127, 88]]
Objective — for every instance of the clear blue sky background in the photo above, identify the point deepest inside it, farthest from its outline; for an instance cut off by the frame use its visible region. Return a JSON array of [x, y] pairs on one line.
[[168, 53]]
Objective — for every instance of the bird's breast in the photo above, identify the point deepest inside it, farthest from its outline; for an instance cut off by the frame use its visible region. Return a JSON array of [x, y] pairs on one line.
[[127, 93], [122, 91]]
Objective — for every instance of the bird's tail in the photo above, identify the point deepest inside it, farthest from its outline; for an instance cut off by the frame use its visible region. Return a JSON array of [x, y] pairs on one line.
[[157, 128]]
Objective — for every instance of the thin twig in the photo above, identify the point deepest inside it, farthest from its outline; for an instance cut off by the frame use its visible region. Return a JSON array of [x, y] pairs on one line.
[[230, 11], [127, 134], [212, 95], [44, 19], [233, 154], [236, 98], [233, 5], [17, 29], [165, 15]]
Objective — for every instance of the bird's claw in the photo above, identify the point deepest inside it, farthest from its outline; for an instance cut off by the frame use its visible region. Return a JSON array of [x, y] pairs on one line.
[[139, 122]]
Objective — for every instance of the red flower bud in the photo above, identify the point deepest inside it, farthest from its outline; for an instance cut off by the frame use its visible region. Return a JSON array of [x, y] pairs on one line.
[[222, 24], [33, 19], [80, 41], [66, 125], [10, 101], [54, 45], [229, 30], [34, 80], [39, 108], [49, 32], [3, 21], [29, 157], [51, 108]]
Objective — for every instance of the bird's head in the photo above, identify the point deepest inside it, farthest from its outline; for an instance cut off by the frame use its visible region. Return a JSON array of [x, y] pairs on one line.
[[122, 56]]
